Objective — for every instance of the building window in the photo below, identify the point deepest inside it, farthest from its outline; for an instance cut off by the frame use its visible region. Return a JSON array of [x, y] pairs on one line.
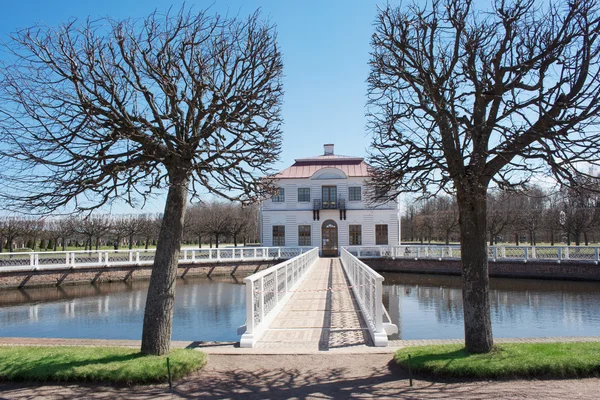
[[329, 197], [278, 235], [279, 197], [381, 234], [303, 194], [355, 235], [304, 235], [354, 193]]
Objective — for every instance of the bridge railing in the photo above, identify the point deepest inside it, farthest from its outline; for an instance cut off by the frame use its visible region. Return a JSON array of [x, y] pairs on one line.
[[26, 261], [367, 286], [267, 292], [495, 253]]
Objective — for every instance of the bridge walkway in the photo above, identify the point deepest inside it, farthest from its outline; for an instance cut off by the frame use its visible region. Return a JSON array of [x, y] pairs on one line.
[[321, 315]]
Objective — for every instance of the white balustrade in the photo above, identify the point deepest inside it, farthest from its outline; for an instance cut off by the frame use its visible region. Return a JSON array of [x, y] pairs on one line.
[[583, 254], [367, 286], [57, 260], [267, 292]]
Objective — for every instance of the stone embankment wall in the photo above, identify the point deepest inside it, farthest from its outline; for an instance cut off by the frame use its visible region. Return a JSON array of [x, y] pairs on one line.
[[29, 279], [507, 269]]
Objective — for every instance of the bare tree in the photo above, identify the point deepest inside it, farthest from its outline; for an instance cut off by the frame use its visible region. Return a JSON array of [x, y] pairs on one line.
[[580, 213], [460, 100], [424, 221], [408, 221], [250, 232], [238, 222], [149, 227], [194, 222], [446, 217], [53, 232], [11, 228], [33, 228], [110, 110], [532, 212], [93, 227], [66, 228], [500, 214], [551, 218], [124, 226], [217, 221]]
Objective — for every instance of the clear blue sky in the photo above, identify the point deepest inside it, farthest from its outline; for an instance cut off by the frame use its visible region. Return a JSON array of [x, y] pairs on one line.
[[325, 46]]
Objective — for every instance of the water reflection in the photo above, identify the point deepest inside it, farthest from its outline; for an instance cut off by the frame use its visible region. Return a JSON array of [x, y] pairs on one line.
[[423, 306], [430, 307], [205, 309]]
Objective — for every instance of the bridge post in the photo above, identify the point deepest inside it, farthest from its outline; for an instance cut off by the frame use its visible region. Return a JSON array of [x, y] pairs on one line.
[[560, 254]]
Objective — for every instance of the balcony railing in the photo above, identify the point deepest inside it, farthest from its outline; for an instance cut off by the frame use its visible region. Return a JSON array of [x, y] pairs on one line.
[[329, 204]]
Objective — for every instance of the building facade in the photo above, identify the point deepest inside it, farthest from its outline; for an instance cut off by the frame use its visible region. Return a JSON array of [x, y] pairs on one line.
[[322, 201]]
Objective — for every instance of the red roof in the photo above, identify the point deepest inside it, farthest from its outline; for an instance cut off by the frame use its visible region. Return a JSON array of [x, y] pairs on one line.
[[306, 167]]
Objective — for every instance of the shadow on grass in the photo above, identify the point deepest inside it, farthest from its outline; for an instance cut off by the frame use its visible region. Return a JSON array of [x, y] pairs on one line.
[[58, 367]]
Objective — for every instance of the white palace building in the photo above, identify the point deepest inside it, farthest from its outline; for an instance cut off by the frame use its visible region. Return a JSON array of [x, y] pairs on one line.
[[321, 201]]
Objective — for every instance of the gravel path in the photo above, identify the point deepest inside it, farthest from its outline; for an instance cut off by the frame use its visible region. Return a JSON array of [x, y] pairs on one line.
[[322, 376]]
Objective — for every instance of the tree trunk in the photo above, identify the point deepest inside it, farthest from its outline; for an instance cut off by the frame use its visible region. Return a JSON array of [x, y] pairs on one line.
[[234, 240], [130, 242], [475, 280], [199, 241], [158, 314], [491, 238], [217, 241], [585, 239], [516, 239]]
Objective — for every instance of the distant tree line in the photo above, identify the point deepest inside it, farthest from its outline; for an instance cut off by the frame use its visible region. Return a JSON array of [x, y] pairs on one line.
[[207, 223], [530, 216]]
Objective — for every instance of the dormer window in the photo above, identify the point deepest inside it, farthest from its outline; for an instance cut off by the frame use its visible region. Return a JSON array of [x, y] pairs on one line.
[[279, 197]]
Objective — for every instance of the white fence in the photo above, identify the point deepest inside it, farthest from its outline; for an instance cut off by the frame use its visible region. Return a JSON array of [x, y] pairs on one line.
[[267, 292], [495, 253], [367, 287], [52, 260]]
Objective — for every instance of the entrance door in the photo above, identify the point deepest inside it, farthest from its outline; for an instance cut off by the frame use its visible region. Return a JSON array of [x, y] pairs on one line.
[[329, 239]]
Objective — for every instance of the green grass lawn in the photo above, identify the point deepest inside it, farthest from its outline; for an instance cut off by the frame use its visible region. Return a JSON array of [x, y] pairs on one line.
[[94, 364], [507, 360]]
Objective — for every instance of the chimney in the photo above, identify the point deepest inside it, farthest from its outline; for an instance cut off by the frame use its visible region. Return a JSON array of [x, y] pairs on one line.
[[328, 149]]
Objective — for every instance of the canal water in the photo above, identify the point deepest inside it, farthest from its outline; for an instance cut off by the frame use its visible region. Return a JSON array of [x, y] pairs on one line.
[[423, 307]]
